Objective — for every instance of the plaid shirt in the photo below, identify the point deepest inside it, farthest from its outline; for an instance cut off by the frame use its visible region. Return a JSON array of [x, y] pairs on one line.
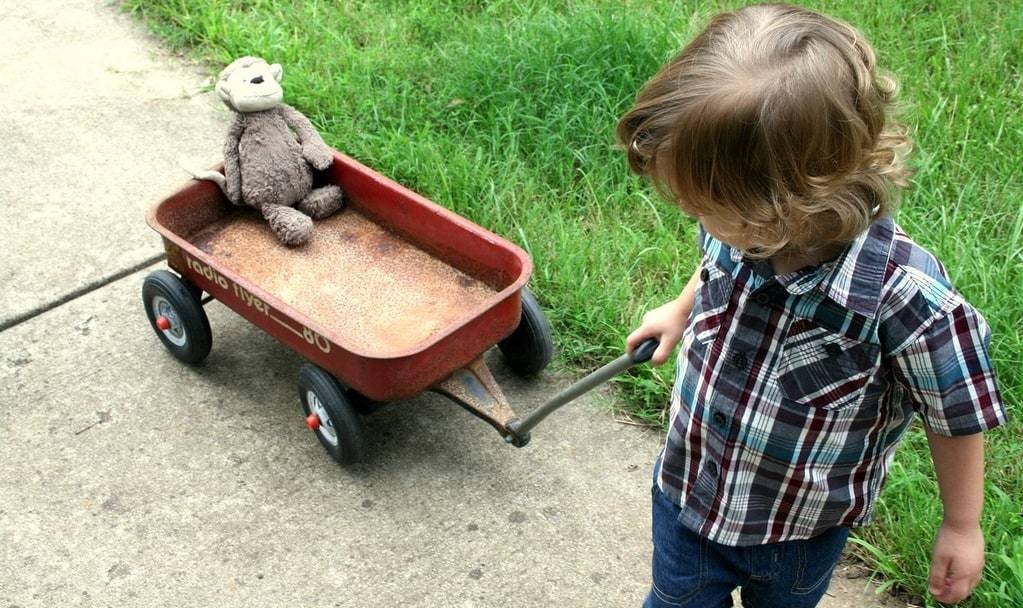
[[792, 391]]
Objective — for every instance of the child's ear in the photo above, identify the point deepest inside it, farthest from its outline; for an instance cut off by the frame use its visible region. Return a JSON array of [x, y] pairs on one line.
[[277, 71]]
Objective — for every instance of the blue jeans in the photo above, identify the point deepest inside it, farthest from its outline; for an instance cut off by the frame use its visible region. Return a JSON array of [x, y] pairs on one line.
[[691, 571]]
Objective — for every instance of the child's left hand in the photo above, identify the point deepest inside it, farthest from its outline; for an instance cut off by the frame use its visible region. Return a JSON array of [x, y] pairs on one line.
[[957, 562]]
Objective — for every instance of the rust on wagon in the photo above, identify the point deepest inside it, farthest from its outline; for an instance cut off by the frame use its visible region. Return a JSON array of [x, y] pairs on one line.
[[474, 388], [369, 286]]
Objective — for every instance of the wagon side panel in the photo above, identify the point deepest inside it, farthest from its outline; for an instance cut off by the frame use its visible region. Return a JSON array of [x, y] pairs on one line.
[[395, 379], [311, 344], [439, 231]]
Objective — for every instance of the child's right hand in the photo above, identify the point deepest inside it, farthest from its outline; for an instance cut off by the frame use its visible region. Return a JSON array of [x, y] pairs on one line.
[[666, 323]]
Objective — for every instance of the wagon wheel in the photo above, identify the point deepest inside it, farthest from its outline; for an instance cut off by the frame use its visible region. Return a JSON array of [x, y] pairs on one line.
[[331, 415], [176, 315], [529, 348]]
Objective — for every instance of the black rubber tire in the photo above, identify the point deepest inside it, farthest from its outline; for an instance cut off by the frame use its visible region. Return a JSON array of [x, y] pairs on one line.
[[351, 440], [529, 348], [189, 338]]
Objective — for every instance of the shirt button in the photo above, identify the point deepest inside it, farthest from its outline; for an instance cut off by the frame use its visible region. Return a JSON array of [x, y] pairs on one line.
[[704, 275], [833, 349], [719, 419], [712, 469], [762, 298], [739, 360]]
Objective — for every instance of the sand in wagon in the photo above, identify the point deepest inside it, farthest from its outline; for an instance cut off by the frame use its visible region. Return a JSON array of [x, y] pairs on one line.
[[379, 293]]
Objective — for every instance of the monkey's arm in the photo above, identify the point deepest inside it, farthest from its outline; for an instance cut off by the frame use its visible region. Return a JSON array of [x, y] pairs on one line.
[[232, 164], [314, 149]]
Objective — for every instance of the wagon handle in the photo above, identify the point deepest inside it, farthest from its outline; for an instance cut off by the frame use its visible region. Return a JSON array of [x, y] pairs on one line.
[[519, 429]]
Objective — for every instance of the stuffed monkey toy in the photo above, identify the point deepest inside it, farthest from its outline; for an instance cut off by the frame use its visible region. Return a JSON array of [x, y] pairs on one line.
[[271, 152]]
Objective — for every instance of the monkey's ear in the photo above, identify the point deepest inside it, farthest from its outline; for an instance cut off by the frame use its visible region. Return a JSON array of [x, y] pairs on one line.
[[277, 71], [223, 91]]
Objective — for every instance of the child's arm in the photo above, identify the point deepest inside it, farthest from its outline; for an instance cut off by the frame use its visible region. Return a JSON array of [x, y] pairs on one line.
[[958, 559], [667, 322], [948, 377]]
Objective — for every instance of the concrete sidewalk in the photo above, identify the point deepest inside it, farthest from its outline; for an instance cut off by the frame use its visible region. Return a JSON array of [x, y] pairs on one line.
[[128, 479], [95, 118]]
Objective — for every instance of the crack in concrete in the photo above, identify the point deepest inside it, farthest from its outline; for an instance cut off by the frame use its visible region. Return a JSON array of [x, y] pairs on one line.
[[77, 293]]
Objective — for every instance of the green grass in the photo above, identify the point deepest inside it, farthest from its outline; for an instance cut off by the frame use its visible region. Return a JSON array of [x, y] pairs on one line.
[[504, 112]]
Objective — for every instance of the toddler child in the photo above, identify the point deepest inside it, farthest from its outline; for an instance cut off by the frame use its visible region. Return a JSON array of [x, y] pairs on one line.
[[813, 328]]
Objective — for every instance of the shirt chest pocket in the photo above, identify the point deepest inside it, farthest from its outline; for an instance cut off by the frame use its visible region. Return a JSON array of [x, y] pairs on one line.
[[823, 369], [710, 303]]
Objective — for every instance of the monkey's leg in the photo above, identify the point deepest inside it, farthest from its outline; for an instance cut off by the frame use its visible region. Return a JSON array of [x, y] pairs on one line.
[[321, 202], [291, 226]]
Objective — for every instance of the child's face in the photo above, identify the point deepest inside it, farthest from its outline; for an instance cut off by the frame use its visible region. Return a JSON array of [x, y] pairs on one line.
[[730, 231]]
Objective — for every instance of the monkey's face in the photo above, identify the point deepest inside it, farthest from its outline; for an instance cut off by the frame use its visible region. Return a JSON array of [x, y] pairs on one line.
[[252, 88]]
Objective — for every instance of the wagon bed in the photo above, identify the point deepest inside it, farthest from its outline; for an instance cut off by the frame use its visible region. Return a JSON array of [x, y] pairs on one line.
[[378, 292]]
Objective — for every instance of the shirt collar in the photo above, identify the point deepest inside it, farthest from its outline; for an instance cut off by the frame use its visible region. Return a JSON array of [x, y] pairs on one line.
[[854, 279]]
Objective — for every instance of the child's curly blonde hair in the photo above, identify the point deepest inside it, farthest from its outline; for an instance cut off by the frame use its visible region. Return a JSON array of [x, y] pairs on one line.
[[773, 118]]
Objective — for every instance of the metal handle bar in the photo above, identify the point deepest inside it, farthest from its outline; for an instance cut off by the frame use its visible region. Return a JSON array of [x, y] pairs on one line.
[[519, 429]]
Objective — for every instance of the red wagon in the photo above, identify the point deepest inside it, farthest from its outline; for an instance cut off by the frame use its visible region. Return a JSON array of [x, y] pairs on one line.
[[392, 296]]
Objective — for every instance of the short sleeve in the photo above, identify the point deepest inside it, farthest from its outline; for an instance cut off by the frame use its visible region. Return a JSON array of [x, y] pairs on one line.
[[948, 376]]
